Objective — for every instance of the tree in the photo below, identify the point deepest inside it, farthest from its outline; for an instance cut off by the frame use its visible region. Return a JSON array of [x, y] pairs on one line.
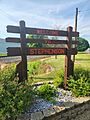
[[82, 45], [36, 45]]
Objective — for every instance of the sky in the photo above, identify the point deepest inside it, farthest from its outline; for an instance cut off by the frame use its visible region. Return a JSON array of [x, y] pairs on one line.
[[50, 14]]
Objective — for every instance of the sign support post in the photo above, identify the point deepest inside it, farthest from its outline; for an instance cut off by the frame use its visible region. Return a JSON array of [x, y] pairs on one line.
[[69, 65], [23, 51]]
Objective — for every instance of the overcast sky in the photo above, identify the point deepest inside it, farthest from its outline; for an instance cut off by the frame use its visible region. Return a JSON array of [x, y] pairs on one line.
[[45, 14]]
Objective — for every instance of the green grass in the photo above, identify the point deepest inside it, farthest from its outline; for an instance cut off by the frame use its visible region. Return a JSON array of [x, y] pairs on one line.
[[2, 54], [81, 59]]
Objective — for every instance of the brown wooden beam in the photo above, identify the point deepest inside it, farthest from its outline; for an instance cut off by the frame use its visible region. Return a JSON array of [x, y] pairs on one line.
[[44, 41], [39, 31]]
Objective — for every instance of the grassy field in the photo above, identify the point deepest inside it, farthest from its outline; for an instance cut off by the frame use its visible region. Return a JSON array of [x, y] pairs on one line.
[[1, 54], [81, 60]]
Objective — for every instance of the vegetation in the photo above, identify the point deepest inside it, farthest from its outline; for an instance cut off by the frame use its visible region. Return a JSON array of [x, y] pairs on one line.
[[46, 91], [14, 98], [36, 45], [2, 54], [33, 67], [79, 84], [82, 60], [82, 45], [59, 78]]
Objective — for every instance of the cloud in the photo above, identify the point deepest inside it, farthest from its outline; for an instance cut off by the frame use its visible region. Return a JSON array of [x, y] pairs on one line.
[[47, 14]]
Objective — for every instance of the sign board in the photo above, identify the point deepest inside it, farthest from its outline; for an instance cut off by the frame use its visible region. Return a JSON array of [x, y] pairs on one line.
[[44, 41], [23, 51], [41, 51], [39, 31]]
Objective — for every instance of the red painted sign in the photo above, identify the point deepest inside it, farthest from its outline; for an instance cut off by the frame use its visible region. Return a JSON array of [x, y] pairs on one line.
[[15, 51], [46, 51], [45, 31], [39, 31]]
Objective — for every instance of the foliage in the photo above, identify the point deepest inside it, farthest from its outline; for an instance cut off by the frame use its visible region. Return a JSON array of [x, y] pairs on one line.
[[36, 45], [33, 67], [2, 54], [37, 67], [79, 84], [82, 45], [46, 91], [14, 98], [8, 73], [59, 78]]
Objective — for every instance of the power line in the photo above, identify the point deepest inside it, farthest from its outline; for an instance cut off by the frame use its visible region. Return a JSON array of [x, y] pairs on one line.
[[84, 10]]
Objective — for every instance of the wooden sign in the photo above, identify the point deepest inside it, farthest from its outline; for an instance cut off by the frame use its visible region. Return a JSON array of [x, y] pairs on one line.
[[16, 51], [39, 31], [36, 51], [44, 41], [23, 51]]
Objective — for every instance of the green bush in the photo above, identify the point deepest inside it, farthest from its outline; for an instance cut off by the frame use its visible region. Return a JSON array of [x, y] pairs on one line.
[[59, 78], [33, 67], [82, 44], [8, 73], [14, 98], [46, 91], [79, 84]]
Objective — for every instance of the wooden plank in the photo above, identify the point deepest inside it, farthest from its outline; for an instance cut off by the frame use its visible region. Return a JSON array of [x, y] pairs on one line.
[[44, 41], [75, 34], [75, 42], [39, 31], [72, 51], [49, 32], [16, 51], [12, 39], [13, 29], [46, 51], [13, 51]]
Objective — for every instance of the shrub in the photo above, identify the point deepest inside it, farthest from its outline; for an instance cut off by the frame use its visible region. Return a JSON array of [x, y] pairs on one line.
[[38, 67], [8, 73], [82, 44], [14, 98], [33, 67], [46, 91], [79, 84], [59, 78]]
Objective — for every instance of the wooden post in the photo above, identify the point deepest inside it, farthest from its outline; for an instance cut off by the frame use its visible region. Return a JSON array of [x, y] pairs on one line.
[[76, 17], [23, 50], [68, 62]]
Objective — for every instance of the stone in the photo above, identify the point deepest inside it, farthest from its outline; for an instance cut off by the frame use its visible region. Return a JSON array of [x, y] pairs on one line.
[[68, 104], [48, 112], [37, 116], [24, 117], [58, 109]]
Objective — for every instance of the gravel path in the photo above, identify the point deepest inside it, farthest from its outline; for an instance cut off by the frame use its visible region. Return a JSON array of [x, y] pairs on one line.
[[40, 104]]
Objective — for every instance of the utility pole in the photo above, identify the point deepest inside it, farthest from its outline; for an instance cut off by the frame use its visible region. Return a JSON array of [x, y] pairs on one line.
[[76, 17]]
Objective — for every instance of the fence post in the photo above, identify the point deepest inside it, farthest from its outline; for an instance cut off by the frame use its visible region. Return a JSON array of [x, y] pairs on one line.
[[69, 65], [23, 51]]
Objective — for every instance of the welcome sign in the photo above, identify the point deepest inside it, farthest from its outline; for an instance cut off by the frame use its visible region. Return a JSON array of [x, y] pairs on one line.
[[23, 51]]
